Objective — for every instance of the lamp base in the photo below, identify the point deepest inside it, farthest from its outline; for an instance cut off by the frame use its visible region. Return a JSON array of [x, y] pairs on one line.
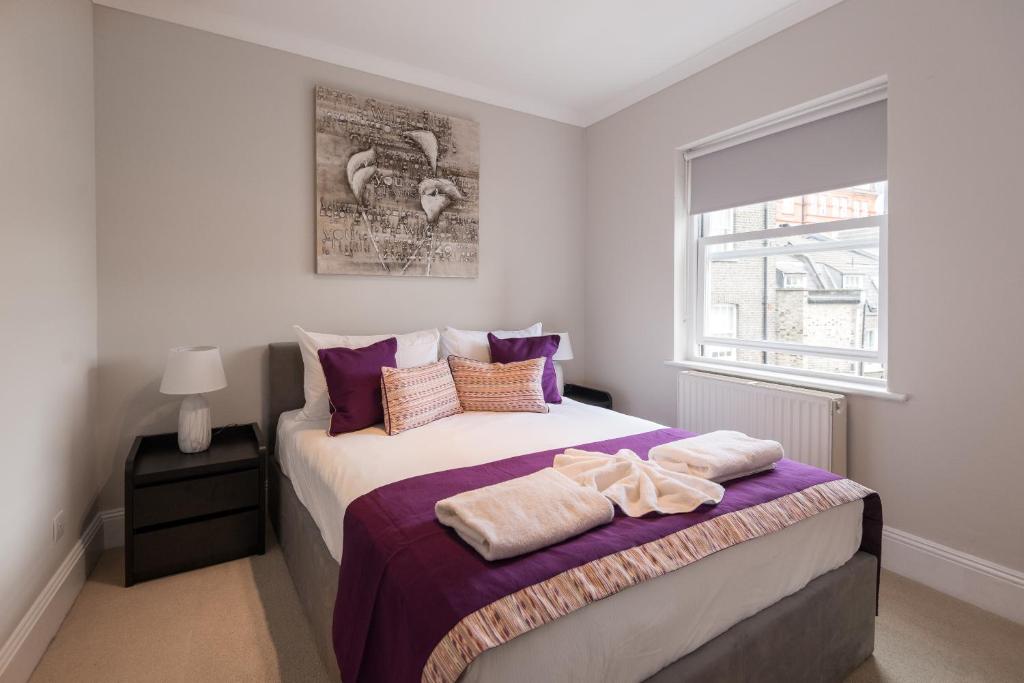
[[559, 377], [194, 424]]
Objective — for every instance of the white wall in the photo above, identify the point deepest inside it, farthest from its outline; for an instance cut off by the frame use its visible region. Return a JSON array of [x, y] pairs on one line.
[[949, 463], [47, 290], [205, 211]]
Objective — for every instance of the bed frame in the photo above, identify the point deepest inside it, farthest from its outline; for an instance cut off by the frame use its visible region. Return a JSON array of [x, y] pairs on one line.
[[820, 633]]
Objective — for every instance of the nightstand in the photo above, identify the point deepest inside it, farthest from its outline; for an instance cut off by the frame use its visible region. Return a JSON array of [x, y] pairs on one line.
[[594, 397], [184, 511]]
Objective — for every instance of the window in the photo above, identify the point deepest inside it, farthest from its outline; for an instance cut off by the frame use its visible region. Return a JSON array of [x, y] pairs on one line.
[[870, 339], [794, 283], [794, 280], [853, 281], [722, 323], [803, 287]]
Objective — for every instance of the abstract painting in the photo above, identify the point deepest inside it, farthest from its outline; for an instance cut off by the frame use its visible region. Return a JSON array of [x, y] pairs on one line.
[[397, 189]]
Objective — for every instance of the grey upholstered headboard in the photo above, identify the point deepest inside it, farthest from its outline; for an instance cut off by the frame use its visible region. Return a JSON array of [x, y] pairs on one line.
[[285, 384]]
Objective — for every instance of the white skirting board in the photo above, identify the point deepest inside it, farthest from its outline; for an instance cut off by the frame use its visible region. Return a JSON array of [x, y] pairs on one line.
[[113, 528], [26, 646], [988, 585]]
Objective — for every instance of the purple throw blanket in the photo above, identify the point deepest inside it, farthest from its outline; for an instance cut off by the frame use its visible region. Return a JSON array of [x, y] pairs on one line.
[[405, 580]]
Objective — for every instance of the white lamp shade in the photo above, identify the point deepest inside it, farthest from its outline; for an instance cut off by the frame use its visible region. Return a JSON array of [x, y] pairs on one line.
[[564, 351], [193, 370]]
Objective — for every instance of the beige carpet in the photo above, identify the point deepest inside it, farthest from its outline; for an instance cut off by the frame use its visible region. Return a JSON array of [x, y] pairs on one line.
[[241, 621]]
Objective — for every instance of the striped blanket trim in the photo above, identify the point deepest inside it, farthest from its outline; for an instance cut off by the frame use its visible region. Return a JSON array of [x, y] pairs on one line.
[[536, 605]]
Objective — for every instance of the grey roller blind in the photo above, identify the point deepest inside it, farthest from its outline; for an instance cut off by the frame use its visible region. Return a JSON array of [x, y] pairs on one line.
[[837, 151]]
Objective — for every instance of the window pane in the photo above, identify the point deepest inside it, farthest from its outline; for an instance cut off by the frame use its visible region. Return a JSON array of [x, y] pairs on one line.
[[822, 298], [867, 200], [865, 234]]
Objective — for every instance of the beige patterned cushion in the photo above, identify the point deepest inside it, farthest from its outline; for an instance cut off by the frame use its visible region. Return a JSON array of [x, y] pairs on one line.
[[504, 387], [413, 397]]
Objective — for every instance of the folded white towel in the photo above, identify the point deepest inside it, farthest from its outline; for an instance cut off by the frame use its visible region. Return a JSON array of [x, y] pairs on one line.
[[718, 456], [635, 485], [524, 514]]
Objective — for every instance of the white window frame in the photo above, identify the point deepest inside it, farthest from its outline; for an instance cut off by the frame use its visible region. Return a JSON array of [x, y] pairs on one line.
[[692, 249]]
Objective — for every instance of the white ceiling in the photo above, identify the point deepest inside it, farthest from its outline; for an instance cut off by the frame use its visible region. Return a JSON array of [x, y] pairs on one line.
[[576, 61]]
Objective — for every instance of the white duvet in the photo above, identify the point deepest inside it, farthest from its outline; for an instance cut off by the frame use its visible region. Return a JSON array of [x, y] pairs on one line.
[[626, 637], [328, 472]]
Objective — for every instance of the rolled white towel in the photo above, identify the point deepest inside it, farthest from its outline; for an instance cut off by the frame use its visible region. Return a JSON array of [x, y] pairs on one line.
[[637, 486], [524, 514], [718, 456]]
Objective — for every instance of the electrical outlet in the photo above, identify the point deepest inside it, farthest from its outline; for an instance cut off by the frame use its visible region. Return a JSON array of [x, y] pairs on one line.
[[58, 526]]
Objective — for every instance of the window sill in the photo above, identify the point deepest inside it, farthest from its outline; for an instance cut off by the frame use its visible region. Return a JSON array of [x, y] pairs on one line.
[[840, 386]]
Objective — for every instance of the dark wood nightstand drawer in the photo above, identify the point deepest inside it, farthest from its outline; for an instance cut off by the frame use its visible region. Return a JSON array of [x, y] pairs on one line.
[[181, 500], [196, 544]]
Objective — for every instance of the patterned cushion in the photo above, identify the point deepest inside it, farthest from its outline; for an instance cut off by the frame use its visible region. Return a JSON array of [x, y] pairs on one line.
[[500, 387], [413, 397]]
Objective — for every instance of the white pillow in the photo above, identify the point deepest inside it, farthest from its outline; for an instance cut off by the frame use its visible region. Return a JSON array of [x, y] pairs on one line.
[[414, 348], [473, 343]]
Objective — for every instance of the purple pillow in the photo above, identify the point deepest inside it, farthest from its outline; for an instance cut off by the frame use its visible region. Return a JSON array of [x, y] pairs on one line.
[[353, 384], [528, 348]]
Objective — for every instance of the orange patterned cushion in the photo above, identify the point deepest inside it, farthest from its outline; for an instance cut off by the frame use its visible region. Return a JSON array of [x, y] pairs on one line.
[[413, 397], [504, 387]]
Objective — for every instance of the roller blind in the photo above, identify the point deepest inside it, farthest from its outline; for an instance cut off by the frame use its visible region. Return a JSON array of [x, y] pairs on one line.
[[840, 150]]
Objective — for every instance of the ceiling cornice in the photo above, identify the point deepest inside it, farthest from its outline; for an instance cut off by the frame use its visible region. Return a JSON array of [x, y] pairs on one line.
[[202, 18]]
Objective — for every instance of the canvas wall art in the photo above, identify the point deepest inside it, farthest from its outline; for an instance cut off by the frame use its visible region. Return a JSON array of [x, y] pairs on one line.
[[397, 189]]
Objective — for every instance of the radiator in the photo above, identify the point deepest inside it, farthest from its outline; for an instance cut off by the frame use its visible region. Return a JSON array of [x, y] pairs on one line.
[[810, 425]]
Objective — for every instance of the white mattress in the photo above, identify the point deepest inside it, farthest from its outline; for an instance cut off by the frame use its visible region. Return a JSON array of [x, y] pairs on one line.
[[628, 636]]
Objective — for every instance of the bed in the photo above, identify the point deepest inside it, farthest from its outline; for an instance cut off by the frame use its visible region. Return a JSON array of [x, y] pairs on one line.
[[795, 605]]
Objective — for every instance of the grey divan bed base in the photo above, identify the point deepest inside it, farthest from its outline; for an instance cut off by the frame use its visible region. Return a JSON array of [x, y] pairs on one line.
[[818, 634]]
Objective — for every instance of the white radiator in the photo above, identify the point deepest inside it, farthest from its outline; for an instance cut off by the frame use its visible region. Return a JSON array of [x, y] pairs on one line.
[[810, 425]]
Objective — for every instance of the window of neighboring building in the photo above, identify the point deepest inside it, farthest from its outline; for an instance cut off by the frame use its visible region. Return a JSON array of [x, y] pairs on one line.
[[853, 281], [794, 280], [870, 339], [799, 277], [722, 321]]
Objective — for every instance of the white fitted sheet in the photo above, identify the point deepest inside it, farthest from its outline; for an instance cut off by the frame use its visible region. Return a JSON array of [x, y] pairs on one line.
[[628, 636]]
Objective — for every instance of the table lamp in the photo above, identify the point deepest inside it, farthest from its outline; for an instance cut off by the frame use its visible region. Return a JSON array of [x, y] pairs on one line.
[[192, 371], [564, 352]]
